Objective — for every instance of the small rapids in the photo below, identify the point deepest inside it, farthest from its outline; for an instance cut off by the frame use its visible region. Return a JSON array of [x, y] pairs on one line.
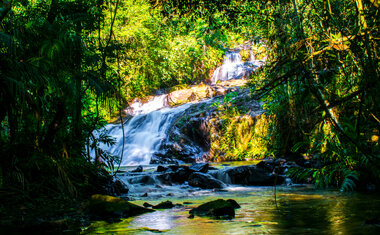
[[234, 68]]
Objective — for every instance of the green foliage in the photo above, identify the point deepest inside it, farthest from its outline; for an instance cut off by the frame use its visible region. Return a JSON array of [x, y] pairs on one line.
[[320, 84], [159, 53], [51, 87], [321, 80]]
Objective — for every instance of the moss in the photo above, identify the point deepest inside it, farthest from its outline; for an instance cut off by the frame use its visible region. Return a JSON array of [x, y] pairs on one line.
[[245, 55], [105, 207], [239, 137]]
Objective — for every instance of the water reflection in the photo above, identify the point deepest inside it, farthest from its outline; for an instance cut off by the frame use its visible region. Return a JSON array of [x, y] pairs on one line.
[[298, 211]]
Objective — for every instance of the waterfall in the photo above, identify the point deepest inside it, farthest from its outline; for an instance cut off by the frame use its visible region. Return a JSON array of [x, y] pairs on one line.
[[234, 68], [147, 126], [144, 132]]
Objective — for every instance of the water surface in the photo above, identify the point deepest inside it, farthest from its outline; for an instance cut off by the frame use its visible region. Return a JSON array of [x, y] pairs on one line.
[[296, 210]]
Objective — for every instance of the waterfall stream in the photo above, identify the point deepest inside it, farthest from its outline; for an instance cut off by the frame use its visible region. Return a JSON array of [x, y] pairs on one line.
[[146, 129], [234, 67], [144, 132]]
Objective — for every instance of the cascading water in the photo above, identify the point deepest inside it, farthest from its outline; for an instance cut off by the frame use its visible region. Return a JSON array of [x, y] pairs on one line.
[[234, 68], [144, 132]]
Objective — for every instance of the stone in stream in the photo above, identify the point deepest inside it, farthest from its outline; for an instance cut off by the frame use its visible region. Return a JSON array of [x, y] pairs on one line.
[[147, 204], [142, 179], [205, 181], [220, 209], [138, 169], [252, 175], [162, 168], [118, 188], [267, 165], [200, 167], [164, 205], [182, 174], [107, 208]]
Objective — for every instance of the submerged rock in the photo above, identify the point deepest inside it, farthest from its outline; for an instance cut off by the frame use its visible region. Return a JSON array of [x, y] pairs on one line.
[[221, 209], [108, 207], [205, 181], [164, 205]]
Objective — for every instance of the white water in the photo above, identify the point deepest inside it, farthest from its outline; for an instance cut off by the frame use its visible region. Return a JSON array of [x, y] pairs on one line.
[[147, 129], [144, 132], [234, 68]]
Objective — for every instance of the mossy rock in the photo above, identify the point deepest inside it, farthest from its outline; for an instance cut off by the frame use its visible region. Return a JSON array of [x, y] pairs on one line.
[[164, 205], [245, 55], [220, 209], [109, 207]]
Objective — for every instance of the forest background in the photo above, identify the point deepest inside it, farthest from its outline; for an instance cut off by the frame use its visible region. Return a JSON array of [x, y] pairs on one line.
[[68, 66]]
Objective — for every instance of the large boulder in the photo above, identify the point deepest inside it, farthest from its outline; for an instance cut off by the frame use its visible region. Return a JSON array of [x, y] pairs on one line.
[[138, 169], [200, 167], [251, 175], [107, 207], [205, 181], [162, 168], [142, 179], [217, 209], [118, 188], [164, 205], [193, 93], [181, 174]]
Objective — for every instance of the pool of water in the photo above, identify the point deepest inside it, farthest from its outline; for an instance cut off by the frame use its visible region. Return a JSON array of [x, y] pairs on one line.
[[294, 210]]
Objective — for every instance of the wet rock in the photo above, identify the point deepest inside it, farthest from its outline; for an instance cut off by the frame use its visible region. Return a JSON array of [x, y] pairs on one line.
[[118, 188], [165, 179], [200, 167], [174, 167], [159, 158], [142, 179], [162, 168], [181, 175], [267, 165], [218, 209], [108, 207], [233, 203], [147, 204], [251, 175], [205, 181], [138, 169], [164, 205], [279, 161]]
